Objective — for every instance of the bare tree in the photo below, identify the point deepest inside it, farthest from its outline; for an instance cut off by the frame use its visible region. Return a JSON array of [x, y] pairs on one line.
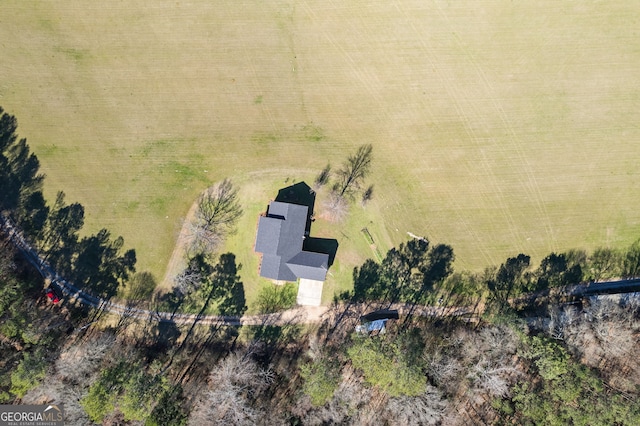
[[603, 335], [187, 281], [55, 391], [445, 370], [491, 378], [499, 342], [354, 170], [202, 240], [336, 207], [80, 360], [219, 206], [233, 382], [240, 371], [216, 217], [613, 327], [561, 322], [425, 409], [223, 406], [75, 369]]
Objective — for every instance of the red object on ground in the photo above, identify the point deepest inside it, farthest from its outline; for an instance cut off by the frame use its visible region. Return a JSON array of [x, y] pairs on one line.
[[52, 296]]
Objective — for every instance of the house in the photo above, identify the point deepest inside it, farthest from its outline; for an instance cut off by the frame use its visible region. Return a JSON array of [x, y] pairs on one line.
[[280, 239]]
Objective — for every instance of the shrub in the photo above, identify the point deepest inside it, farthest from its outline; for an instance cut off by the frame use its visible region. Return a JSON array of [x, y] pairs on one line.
[[274, 298], [28, 374], [321, 378], [384, 366]]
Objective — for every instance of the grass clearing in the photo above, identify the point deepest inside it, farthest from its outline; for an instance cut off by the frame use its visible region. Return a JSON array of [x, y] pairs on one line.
[[497, 127], [256, 191]]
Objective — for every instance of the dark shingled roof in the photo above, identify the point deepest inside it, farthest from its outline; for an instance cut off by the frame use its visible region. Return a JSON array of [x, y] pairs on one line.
[[280, 237]]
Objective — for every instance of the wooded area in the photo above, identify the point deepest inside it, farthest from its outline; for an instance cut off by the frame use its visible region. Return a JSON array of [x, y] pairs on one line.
[[567, 364]]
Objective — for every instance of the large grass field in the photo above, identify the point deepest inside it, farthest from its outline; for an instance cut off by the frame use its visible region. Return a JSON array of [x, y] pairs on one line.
[[498, 127]]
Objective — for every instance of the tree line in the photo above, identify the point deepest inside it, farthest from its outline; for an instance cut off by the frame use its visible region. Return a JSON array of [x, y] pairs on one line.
[[415, 272], [575, 365], [95, 262], [406, 274]]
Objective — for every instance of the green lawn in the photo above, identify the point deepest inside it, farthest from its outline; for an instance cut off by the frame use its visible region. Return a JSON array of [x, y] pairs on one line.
[[498, 127], [261, 188]]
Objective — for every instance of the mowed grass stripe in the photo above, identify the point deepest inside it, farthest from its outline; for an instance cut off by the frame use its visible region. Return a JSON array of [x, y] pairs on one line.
[[498, 128]]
